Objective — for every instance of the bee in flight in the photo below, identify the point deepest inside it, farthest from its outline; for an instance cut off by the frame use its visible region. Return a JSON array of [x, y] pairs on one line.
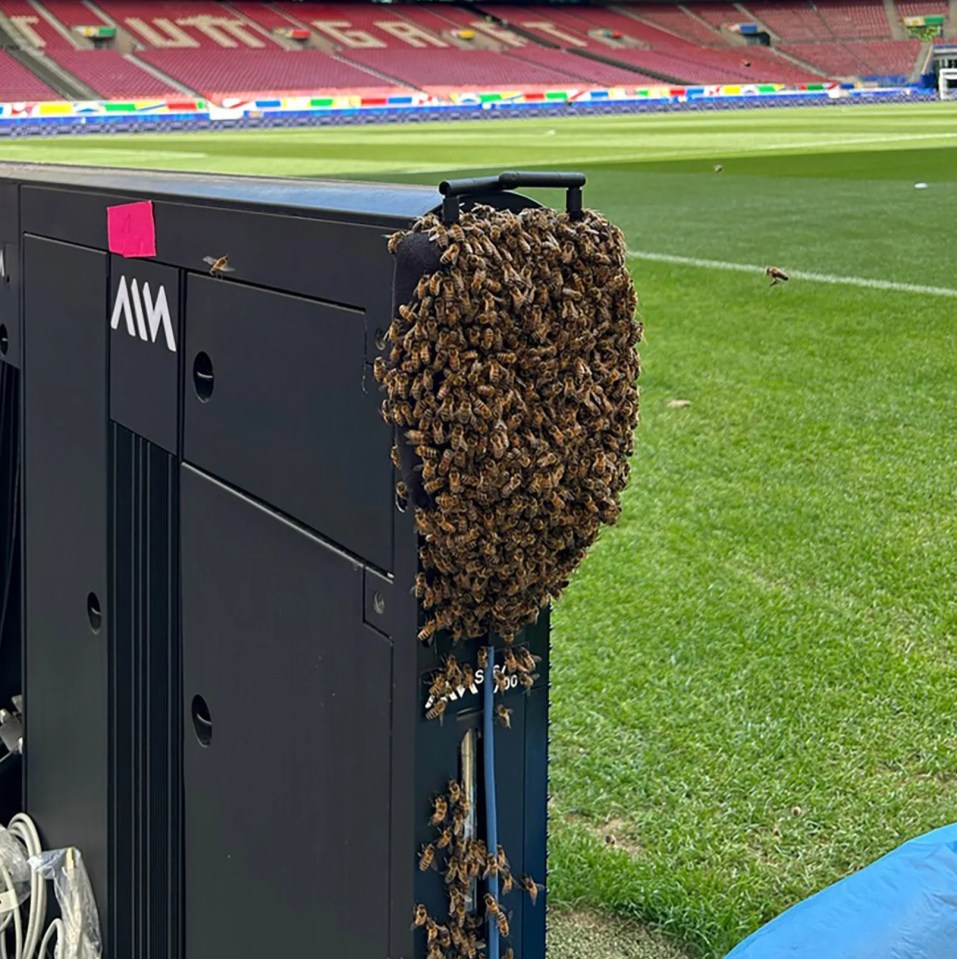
[[218, 265], [777, 275]]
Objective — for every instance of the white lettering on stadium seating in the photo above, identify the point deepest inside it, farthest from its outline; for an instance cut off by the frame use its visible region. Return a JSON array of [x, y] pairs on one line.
[[165, 34], [551, 29], [409, 33], [175, 36], [498, 33], [23, 24], [223, 31], [355, 39]]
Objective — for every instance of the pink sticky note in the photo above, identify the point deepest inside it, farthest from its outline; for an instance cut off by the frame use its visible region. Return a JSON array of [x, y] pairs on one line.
[[130, 230]]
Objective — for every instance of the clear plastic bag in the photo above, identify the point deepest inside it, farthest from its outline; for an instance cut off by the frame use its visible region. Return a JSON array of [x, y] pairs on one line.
[[13, 861], [80, 936]]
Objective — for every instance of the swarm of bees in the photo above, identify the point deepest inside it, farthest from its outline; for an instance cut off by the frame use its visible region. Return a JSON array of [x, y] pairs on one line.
[[467, 860], [512, 379]]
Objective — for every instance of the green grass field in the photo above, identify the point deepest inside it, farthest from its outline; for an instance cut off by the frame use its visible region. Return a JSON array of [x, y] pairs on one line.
[[754, 673]]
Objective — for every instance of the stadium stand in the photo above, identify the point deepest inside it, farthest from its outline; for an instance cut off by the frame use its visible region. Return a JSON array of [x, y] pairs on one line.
[[18, 83], [248, 73], [112, 75], [38, 30], [579, 68], [364, 26], [449, 68], [854, 21], [267, 16], [717, 14], [859, 58], [789, 20], [940, 8], [681, 23], [434, 20], [242, 49], [184, 24], [74, 13], [630, 41], [917, 8]]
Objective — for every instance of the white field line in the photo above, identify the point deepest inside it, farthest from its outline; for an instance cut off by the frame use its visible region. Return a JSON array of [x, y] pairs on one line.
[[861, 281]]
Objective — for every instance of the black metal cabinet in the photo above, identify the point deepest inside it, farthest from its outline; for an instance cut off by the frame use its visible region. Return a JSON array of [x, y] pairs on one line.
[[292, 373], [283, 684], [215, 633], [66, 621]]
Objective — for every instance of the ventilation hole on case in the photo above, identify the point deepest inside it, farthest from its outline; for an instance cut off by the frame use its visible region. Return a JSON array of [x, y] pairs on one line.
[[202, 721], [401, 502], [381, 338], [94, 612], [378, 603], [203, 376]]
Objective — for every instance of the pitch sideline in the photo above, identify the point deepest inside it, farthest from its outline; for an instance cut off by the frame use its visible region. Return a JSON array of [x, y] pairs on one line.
[[832, 278]]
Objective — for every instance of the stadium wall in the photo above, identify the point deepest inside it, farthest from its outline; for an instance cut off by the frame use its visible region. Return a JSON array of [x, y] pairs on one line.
[[104, 116]]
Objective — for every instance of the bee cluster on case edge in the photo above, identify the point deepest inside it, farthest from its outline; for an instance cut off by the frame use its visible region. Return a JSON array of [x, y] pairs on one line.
[[467, 860], [454, 680], [512, 377]]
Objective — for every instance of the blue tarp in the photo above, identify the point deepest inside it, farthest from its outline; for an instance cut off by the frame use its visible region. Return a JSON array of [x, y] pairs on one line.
[[903, 906]]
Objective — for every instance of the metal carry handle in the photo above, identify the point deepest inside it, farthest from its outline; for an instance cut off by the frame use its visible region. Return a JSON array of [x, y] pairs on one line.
[[572, 183]]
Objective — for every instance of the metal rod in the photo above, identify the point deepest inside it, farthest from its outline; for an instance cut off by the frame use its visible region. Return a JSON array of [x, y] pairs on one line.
[[491, 815]]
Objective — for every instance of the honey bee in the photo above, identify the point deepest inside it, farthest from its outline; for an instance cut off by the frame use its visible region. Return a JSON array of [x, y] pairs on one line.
[[777, 275], [437, 711], [531, 887], [416, 437], [421, 916], [495, 910], [457, 440], [482, 658], [440, 811], [457, 233], [445, 838], [501, 682], [462, 808], [457, 907], [218, 265], [498, 441], [456, 793], [427, 858], [504, 716]]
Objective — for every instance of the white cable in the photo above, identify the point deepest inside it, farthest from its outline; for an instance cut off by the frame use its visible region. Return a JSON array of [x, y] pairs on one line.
[[27, 940], [56, 929]]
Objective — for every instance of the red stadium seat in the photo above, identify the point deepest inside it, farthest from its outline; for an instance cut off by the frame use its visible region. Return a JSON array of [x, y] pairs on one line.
[[110, 74], [18, 84]]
